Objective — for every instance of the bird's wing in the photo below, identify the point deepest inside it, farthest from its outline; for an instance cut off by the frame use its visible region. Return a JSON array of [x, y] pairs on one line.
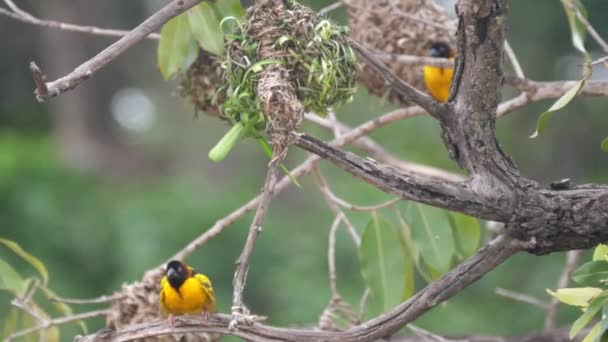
[[163, 308], [210, 306]]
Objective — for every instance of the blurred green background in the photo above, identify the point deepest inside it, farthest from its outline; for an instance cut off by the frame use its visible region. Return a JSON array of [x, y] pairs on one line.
[[112, 178]]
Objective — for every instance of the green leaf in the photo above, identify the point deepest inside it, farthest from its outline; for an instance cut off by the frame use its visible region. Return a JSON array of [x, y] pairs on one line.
[[268, 150], [577, 27], [544, 118], [177, 48], [383, 266], [412, 257], [593, 274], [63, 308], [11, 280], [587, 316], [577, 296], [578, 33], [432, 233], [32, 260], [50, 334], [205, 27], [604, 145], [594, 334], [230, 8], [600, 253], [467, 234], [11, 322], [226, 144]]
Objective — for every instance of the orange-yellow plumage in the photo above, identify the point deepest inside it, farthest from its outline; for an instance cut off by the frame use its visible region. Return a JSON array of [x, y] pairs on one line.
[[438, 81], [192, 293]]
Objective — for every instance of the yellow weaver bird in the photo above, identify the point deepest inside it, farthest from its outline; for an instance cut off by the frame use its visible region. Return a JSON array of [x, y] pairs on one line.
[[185, 291], [438, 79]]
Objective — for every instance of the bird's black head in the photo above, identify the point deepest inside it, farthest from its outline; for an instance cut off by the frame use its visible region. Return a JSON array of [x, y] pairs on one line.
[[177, 272], [440, 50]]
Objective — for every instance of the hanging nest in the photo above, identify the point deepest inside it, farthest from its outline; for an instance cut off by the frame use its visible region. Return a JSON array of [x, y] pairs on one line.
[[399, 27], [285, 60], [200, 84]]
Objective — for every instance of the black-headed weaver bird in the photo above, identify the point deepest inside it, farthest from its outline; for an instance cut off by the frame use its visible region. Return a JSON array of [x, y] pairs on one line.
[[185, 291], [437, 79]]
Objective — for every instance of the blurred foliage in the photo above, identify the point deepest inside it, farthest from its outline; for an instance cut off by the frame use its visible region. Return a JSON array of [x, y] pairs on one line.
[[94, 234]]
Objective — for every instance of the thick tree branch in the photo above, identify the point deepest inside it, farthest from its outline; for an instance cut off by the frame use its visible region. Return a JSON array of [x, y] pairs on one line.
[[409, 185], [451, 283], [47, 90]]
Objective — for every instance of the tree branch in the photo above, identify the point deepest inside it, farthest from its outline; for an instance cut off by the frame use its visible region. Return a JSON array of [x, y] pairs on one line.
[[47, 90], [451, 283]]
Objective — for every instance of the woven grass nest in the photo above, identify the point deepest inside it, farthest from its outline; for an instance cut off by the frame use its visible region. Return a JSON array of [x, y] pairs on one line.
[[400, 27], [282, 61]]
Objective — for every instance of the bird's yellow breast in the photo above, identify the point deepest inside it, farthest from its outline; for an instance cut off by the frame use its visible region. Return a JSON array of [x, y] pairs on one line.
[[438, 82], [190, 299]]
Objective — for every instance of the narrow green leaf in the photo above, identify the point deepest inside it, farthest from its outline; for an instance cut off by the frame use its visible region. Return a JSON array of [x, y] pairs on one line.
[[600, 252], [467, 234], [593, 274], [594, 334], [11, 322], [577, 296], [32, 260], [10, 280], [382, 264], [63, 308], [268, 150], [50, 334], [587, 316], [578, 33], [230, 8], [578, 29], [432, 234], [177, 48], [544, 118], [604, 145], [412, 256], [205, 26], [226, 144]]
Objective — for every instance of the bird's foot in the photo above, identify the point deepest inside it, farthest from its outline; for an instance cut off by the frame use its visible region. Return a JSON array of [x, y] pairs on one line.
[[241, 315], [206, 316], [171, 320]]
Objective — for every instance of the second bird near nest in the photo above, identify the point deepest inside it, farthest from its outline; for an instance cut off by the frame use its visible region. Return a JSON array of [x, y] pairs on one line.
[[438, 79]]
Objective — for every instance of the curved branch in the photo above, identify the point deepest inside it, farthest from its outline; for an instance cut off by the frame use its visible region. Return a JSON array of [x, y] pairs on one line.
[[47, 90], [451, 283]]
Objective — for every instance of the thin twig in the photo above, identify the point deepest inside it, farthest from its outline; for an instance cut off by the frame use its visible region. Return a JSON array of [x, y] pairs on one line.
[[434, 108], [27, 18], [99, 300], [331, 256], [572, 258], [58, 321], [242, 263], [88, 68], [326, 193], [425, 334], [363, 303], [415, 60], [330, 8], [521, 297], [514, 61], [600, 60], [16, 9]]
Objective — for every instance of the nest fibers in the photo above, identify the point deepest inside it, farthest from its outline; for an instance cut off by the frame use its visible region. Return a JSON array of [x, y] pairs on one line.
[[398, 27], [283, 61]]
